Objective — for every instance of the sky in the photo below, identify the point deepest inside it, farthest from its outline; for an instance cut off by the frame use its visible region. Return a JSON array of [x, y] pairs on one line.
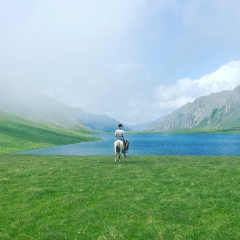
[[135, 60]]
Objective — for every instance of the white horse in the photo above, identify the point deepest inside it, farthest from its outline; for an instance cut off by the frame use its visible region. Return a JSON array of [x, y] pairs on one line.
[[119, 149]]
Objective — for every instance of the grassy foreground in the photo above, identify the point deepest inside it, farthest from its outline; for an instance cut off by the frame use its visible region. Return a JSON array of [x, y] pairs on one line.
[[150, 197]]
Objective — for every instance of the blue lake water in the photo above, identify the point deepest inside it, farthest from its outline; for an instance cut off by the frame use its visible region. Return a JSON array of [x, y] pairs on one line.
[[154, 144]]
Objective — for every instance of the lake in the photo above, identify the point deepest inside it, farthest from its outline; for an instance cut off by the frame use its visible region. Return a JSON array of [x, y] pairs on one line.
[[153, 144]]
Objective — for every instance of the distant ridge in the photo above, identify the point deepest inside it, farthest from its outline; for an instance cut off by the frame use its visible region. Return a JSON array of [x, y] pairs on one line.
[[39, 108], [144, 126], [216, 111], [42, 109], [97, 122]]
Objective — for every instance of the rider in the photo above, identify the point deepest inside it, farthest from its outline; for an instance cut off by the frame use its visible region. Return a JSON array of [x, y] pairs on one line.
[[119, 134]]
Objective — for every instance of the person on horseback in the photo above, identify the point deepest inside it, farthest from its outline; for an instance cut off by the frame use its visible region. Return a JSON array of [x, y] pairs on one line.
[[119, 134]]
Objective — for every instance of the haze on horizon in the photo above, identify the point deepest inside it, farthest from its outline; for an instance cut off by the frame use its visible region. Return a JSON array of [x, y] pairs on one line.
[[134, 60]]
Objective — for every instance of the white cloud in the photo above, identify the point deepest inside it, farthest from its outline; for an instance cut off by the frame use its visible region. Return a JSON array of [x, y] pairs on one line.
[[109, 56], [173, 96]]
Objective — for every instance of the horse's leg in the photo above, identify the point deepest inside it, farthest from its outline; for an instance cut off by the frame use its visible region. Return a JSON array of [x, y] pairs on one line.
[[117, 157], [115, 153], [124, 156]]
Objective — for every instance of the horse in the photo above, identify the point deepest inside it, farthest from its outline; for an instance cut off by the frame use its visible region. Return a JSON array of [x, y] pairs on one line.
[[119, 148]]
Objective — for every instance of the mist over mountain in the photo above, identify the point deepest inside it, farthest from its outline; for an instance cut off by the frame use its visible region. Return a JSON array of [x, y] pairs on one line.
[[97, 122], [146, 125], [215, 111], [40, 108]]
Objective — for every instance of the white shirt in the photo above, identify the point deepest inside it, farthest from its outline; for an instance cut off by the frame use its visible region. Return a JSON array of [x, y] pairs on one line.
[[119, 134]]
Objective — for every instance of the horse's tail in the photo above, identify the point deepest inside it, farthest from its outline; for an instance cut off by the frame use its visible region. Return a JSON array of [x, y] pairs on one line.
[[118, 147]]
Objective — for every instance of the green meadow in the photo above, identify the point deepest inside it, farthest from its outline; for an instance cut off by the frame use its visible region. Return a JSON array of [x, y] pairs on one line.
[[149, 197]]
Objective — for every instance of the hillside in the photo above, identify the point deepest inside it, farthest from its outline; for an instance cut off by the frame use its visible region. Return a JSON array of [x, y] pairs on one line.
[[216, 111], [40, 108], [17, 134]]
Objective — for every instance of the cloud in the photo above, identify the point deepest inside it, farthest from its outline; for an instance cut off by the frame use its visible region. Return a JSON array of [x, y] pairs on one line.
[[173, 96], [121, 58]]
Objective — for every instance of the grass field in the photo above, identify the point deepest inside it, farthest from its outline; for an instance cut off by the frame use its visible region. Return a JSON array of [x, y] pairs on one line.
[[150, 197]]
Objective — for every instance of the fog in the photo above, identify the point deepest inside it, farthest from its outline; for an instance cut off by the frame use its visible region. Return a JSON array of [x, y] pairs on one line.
[[133, 60]]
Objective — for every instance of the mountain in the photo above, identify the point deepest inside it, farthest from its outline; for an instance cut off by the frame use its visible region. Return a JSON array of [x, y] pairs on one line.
[[102, 123], [145, 126], [39, 108], [215, 111]]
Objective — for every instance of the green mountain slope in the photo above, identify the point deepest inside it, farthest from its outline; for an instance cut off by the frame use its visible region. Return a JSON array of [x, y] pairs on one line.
[[17, 134]]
